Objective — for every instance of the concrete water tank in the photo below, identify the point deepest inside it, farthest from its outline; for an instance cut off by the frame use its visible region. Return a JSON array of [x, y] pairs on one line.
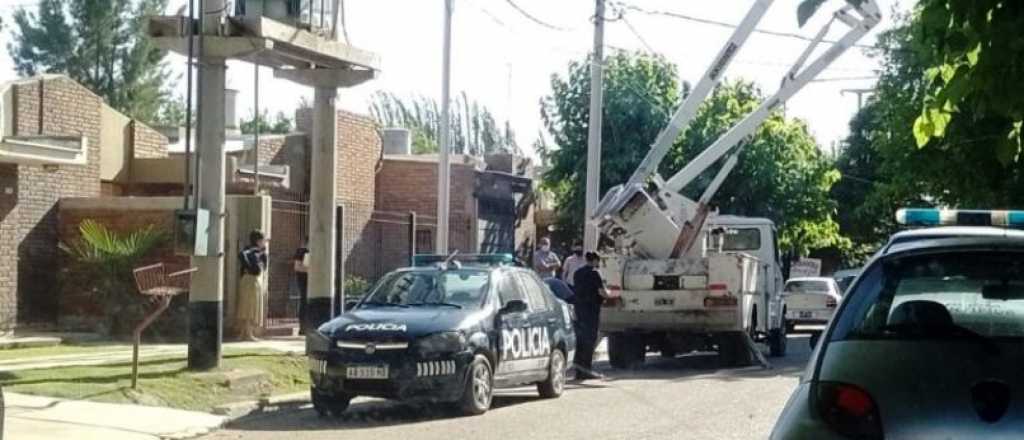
[[397, 141]]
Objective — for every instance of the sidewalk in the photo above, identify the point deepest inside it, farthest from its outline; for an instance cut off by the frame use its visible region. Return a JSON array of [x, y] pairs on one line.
[[44, 418], [123, 353]]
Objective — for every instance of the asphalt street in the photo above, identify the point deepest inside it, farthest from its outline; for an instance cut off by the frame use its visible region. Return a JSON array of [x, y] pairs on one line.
[[688, 397]]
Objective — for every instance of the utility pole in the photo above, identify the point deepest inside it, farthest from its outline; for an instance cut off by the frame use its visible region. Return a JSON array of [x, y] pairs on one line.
[[594, 136], [860, 95], [443, 167], [206, 298]]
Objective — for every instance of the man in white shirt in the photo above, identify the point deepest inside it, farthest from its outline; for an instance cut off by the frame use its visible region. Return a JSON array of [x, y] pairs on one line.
[[573, 262], [545, 261]]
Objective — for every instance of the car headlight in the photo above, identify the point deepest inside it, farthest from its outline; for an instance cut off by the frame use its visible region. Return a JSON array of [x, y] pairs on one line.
[[446, 342], [317, 342]]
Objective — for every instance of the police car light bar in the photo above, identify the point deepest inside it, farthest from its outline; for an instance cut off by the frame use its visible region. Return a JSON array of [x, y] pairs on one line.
[[422, 260], [959, 217]]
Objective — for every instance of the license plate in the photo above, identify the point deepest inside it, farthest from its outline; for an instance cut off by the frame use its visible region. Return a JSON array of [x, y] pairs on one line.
[[806, 314], [366, 372]]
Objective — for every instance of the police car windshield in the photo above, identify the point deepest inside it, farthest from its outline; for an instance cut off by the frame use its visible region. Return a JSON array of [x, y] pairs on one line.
[[465, 288], [940, 296]]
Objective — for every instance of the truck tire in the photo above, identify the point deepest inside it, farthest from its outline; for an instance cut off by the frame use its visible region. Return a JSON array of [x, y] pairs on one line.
[[626, 350], [732, 350], [777, 342]]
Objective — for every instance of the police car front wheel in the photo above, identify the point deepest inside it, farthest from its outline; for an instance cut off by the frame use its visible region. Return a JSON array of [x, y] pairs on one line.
[[325, 404], [476, 399]]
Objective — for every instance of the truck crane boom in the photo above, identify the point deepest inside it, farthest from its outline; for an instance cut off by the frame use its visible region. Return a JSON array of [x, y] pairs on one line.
[[646, 221]]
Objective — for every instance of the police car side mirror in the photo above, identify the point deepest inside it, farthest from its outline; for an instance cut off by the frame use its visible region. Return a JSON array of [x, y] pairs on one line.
[[514, 306]]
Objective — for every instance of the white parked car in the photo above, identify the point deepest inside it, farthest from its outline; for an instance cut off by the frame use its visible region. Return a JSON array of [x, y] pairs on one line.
[[810, 301]]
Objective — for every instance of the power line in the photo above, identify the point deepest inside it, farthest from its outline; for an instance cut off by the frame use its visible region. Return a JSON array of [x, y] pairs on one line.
[[691, 18], [622, 16], [535, 19]]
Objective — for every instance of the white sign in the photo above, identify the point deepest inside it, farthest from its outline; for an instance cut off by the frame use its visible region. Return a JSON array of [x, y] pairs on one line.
[[805, 267]]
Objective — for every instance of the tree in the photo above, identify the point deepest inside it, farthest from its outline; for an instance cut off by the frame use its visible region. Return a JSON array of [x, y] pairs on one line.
[[639, 95], [281, 124], [884, 168], [781, 175], [977, 62], [473, 129], [99, 43]]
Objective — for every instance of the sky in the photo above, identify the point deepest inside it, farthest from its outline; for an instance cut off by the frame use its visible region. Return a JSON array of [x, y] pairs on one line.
[[505, 60]]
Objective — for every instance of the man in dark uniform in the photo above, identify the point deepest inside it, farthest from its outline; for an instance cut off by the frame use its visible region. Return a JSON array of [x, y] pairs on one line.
[[590, 294]]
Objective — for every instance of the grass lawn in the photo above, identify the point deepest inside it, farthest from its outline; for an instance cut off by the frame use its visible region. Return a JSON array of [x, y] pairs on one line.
[[165, 381], [62, 349]]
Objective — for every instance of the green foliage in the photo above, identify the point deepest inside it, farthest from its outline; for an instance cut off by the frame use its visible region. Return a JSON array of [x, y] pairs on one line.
[[101, 264], [99, 43], [355, 287], [282, 124], [883, 167], [640, 92], [473, 129], [975, 48], [782, 174]]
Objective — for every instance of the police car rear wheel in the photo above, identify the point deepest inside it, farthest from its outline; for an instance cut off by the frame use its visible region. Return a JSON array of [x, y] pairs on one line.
[[476, 399], [554, 385]]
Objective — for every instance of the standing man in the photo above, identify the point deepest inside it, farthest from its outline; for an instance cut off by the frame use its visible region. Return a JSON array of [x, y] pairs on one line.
[[590, 294], [573, 262], [251, 292], [545, 261], [300, 264]]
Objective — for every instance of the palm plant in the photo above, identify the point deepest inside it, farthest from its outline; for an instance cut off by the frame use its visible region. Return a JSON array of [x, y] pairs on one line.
[[101, 264]]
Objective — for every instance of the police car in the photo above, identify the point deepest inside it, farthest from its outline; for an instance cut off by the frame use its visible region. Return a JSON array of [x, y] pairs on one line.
[[927, 341], [444, 331]]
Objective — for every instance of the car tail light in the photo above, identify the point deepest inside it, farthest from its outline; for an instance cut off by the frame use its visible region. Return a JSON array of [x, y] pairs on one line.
[[718, 288], [720, 301], [849, 410], [830, 302]]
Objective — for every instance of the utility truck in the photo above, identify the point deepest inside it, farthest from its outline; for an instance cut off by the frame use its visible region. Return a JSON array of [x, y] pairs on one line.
[[688, 278]]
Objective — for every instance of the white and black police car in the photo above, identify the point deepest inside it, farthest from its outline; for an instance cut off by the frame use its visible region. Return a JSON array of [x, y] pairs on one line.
[[444, 331]]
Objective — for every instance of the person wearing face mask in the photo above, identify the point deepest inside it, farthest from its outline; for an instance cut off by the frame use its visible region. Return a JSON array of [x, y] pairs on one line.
[[573, 262], [545, 261]]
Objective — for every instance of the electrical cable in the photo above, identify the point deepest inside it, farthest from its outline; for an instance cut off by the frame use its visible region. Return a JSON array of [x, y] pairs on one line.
[[691, 18], [535, 19]]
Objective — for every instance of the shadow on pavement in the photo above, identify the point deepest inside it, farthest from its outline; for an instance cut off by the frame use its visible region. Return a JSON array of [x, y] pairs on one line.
[[706, 366], [375, 413]]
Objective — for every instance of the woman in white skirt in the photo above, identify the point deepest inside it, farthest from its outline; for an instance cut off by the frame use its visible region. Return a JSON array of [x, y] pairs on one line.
[[251, 292]]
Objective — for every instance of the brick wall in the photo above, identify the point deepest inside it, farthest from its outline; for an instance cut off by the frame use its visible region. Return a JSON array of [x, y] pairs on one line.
[[148, 143], [8, 248], [409, 183], [51, 106]]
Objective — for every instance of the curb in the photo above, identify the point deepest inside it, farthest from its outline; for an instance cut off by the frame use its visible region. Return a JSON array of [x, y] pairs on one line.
[[237, 410]]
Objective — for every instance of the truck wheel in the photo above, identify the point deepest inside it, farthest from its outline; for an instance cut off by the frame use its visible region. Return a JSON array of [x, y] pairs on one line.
[[732, 350], [553, 386], [777, 342], [625, 350], [476, 398], [325, 404]]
